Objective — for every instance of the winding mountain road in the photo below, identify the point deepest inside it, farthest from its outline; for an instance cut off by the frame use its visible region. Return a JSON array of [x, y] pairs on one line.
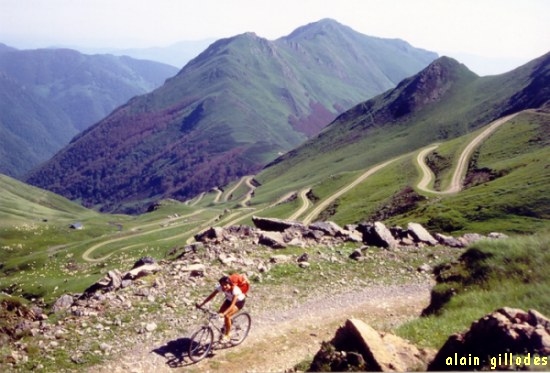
[[230, 192], [87, 254], [462, 164], [327, 201], [306, 203], [426, 180], [282, 339], [427, 177]]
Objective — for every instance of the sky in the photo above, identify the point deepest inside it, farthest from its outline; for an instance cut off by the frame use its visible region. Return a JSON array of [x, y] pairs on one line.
[[489, 36]]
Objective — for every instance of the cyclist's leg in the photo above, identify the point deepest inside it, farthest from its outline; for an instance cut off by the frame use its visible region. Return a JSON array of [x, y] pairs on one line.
[[228, 316], [224, 306], [229, 313]]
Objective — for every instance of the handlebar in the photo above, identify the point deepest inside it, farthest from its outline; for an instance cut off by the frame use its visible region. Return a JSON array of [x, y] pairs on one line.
[[207, 311]]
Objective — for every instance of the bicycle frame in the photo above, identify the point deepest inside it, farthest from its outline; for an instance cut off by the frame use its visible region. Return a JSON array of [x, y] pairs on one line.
[[209, 335], [210, 321]]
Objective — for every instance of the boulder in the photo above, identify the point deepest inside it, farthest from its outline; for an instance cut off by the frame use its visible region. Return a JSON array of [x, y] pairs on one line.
[[470, 238], [275, 225], [448, 240], [420, 234], [353, 236], [274, 240], [357, 254], [377, 234], [63, 303], [314, 234], [303, 258], [110, 282], [241, 231], [506, 332], [141, 271], [211, 234], [143, 261], [328, 228], [378, 351]]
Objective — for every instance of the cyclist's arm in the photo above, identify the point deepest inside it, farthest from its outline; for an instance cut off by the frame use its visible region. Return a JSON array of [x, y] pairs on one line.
[[208, 298]]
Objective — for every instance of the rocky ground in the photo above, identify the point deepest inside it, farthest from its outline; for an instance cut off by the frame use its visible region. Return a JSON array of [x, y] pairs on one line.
[[279, 340], [139, 320]]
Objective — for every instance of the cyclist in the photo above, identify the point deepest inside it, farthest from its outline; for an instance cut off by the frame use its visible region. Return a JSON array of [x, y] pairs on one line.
[[234, 302]]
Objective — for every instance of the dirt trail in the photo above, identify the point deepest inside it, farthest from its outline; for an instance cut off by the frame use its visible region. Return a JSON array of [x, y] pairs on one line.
[[427, 175], [462, 164], [324, 204], [219, 194], [305, 204], [87, 255], [249, 193], [230, 192], [280, 340]]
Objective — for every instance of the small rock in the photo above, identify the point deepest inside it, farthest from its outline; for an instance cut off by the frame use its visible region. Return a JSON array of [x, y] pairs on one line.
[[151, 327]]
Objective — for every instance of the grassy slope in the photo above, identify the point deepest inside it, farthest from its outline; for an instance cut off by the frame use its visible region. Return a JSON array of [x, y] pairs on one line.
[[518, 201], [21, 203], [506, 204], [38, 257], [512, 273]]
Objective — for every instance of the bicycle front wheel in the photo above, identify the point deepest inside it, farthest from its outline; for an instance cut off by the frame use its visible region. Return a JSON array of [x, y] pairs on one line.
[[200, 344], [240, 326]]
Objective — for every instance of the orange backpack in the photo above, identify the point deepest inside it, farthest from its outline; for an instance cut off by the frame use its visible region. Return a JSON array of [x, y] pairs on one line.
[[241, 281]]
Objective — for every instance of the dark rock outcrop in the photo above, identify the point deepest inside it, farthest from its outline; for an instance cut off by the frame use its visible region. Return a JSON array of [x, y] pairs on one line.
[[494, 340], [275, 225]]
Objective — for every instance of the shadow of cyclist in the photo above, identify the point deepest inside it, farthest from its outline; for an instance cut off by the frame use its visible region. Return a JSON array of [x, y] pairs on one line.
[[175, 352]]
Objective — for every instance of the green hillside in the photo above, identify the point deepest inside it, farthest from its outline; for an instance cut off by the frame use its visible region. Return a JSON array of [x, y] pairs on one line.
[[439, 104], [364, 166], [36, 223], [22, 203]]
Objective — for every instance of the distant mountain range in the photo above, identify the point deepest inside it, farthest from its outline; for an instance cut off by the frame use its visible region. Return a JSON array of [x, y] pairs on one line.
[[50, 95], [177, 54], [229, 111]]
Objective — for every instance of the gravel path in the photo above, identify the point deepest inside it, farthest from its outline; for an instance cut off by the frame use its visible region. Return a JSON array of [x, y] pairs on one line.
[[280, 340]]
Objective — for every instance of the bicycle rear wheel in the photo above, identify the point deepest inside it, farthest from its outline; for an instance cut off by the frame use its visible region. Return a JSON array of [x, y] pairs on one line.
[[200, 344], [240, 326]]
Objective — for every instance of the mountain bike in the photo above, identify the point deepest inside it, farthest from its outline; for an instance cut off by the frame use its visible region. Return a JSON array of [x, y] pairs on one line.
[[209, 336]]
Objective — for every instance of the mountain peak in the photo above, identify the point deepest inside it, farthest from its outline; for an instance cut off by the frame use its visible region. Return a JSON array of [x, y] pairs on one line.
[[429, 85], [316, 28]]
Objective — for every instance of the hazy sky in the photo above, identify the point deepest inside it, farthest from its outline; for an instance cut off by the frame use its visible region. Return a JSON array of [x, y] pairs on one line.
[[504, 31]]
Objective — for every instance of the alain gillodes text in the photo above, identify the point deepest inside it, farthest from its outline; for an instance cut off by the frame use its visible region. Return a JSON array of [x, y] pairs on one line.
[[506, 359]]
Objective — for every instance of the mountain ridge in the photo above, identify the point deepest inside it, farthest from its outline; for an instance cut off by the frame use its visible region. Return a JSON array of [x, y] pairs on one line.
[[228, 112]]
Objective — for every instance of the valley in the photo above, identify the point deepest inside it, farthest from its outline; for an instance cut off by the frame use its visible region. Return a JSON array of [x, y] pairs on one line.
[[175, 223], [241, 212], [227, 113], [281, 129], [84, 256]]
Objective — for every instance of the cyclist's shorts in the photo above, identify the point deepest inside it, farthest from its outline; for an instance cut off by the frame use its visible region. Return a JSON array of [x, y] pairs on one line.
[[239, 304]]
